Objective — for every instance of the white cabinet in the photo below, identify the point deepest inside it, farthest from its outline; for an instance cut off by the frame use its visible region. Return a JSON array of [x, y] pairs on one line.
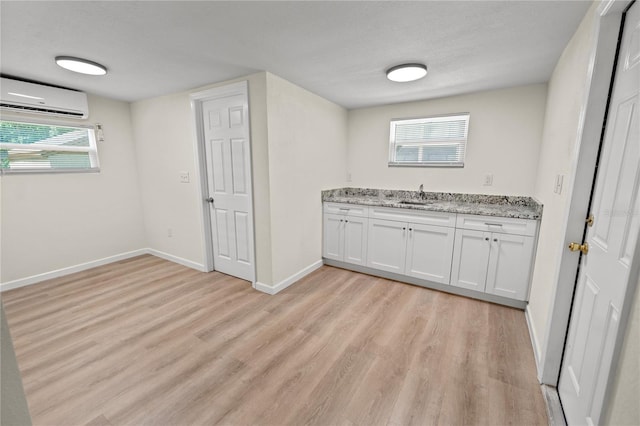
[[470, 259], [387, 245], [421, 251], [345, 237], [355, 240], [333, 247], [510, 266], [497, 262], [429, 251], [490, 255]]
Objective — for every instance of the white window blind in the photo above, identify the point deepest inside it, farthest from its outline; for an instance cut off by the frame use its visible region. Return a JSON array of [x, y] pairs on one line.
[[34, 147], [430, 141]]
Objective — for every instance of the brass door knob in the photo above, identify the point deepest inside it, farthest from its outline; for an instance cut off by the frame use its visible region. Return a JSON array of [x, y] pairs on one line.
[[584, 248]]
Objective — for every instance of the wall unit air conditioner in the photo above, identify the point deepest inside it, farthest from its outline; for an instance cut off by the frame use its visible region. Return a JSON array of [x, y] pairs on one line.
[[34, 98]]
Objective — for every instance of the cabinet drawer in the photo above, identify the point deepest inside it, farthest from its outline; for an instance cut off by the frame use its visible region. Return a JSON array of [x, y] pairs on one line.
[[501, 225], [346, 209], [414, 216]]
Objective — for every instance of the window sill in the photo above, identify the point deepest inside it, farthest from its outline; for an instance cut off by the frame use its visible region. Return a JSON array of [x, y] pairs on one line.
[[5, 172], [452, 165]]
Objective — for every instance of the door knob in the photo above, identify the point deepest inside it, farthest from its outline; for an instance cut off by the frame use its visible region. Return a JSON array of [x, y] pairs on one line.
[[584, 248], [209, 200]]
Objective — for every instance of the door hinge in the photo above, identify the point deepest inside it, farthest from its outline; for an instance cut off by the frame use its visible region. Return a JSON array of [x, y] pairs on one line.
[[589, 220]]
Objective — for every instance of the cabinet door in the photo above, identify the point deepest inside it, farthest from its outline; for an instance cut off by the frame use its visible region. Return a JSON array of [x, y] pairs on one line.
[[470, 259], [333, 237], [386, 247], [510, 266], [355, 240], [429, 252]]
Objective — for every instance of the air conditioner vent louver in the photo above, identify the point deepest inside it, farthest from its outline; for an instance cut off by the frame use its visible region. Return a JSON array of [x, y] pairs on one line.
[[21, 96], [40, 110]]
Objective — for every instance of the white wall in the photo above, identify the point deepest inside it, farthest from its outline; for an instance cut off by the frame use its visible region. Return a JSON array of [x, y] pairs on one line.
[[307, 153], [623, 403], [504, 139], [298, 148], [164, 147], [165, 134], [55, 221], [567, 92], [562, 132]]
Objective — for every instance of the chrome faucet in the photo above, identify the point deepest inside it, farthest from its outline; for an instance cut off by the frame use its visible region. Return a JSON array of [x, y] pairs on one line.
[[421, 191]]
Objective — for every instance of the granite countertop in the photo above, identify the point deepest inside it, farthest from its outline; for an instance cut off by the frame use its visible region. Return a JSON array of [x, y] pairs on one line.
[[478, 204]]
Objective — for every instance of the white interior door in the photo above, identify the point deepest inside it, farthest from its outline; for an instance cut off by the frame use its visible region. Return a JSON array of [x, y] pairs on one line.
[[227, 149], [604, 271]]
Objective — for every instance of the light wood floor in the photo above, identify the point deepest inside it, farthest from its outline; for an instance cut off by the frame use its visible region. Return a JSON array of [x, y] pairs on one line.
[[148, 342]]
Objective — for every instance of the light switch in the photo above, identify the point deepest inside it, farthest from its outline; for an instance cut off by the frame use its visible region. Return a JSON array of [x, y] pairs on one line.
[[184, 177], [557, 188], [488, 179]]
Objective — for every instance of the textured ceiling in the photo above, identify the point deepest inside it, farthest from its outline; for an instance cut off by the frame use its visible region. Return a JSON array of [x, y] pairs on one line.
[[338, 50]]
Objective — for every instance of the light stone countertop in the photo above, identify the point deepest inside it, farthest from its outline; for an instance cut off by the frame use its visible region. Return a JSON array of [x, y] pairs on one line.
[[477, 204]]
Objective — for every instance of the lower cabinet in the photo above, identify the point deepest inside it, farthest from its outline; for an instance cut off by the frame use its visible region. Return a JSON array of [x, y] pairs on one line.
[[491, 255], [470, 259], [345, 238], [510, 266], [494, 263], [421, 251]]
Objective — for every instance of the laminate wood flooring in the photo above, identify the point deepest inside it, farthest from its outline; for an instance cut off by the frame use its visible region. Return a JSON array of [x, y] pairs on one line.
[[148, 342]]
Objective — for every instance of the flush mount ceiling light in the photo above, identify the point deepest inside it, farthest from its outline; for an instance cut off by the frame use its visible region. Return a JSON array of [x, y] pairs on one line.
[[82, 66], [406, 72]]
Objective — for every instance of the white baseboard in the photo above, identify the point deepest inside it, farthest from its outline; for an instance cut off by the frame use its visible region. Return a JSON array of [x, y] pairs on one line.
[[34, 279], [273, 289], [175, 259], [21, 282], [534, 341]]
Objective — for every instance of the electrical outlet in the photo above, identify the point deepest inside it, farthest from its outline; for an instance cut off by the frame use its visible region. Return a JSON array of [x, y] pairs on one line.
[[348, 176], [169, 232], [184, 177], [488, 179]]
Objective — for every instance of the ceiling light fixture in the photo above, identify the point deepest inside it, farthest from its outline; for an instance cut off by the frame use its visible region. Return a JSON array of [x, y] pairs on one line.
[[82, 66], [406, 72]]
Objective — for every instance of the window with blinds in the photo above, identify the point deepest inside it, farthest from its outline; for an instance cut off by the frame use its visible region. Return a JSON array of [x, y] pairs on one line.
[[431, 141], [33, 147]]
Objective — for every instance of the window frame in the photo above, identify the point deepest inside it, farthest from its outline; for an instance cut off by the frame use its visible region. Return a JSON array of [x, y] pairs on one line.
[[392, 162], [91, 150]]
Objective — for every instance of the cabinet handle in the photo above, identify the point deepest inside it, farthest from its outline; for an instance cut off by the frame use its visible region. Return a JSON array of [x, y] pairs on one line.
[[404, 229], [495, 240], [492, 224], [346, 221], [486, 238]]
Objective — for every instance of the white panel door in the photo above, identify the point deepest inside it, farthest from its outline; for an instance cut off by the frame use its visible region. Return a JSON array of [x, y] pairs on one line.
[[429, 252], [386, 248], [355, 240], [333, 244], [226, 133], [470, 259], [509, 266], [604, 271]]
